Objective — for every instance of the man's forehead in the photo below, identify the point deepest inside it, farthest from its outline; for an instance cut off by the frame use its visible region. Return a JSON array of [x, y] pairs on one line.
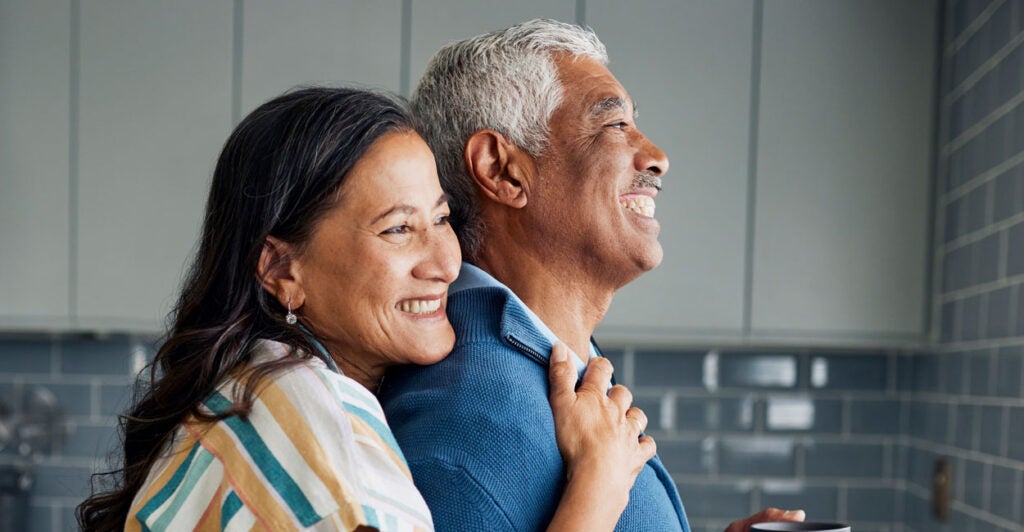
[[591, 88]]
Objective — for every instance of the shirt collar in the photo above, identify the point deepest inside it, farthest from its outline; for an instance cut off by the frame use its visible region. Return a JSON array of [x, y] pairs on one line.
[[471, 277]]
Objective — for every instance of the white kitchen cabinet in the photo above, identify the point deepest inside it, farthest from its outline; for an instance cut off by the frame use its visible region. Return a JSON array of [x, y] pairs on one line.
[[688, 67], [35, 55], [155, 99], [841, 238], [285, 44], [112, 115]]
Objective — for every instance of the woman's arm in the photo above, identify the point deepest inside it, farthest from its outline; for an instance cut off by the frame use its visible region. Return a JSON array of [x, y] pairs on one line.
[[598, 436]]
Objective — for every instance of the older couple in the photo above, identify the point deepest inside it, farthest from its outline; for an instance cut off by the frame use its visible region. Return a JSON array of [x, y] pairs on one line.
[[328, 291]]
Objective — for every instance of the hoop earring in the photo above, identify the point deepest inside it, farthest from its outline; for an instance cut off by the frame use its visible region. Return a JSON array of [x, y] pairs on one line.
[[290, 318]]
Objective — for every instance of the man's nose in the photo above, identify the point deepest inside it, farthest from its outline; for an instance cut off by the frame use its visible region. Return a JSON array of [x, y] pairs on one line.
[[650, 158]]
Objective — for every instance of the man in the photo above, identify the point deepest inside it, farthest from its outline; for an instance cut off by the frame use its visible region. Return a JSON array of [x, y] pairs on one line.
[[552, 191]]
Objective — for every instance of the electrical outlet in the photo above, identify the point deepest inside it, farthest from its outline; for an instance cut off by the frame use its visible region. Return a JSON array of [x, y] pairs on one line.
[[942, 480]]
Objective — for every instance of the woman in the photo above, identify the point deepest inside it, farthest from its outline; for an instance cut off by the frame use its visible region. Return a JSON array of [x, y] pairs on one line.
[[325, 258]]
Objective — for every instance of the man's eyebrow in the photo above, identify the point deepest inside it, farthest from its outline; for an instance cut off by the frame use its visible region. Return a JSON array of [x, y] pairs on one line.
[[405, 208], [611, 104]]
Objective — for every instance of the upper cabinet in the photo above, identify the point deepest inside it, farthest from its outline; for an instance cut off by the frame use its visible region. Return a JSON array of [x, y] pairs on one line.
[[35, 70], [795, 208], [687, 66], [286, 44], [155, 108], [436, 22], [843, 170]]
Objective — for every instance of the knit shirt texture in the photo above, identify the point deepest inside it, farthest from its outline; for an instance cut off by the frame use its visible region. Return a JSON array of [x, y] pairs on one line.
[[478, 433]]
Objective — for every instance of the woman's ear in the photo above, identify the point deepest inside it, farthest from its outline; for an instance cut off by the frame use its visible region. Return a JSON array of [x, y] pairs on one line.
[[280, 273], [496, 167]]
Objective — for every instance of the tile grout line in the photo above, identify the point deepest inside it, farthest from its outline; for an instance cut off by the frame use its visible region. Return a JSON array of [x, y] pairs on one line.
[[841, 502], [981, 234], [981, 179], [981, 289], [976, 429], [967, 33], [993, 371], [922, 492], [980, 73], [1004, 444], [1018, 490]]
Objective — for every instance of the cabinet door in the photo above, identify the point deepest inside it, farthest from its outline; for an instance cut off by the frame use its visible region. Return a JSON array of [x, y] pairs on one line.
[[285, 44], [34, 172], [687, 64], [436, 22], [155, 111], [843, 169]]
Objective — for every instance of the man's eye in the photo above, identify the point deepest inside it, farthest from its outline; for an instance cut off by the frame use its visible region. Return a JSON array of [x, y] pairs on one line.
[[397, 230], [618, 125]]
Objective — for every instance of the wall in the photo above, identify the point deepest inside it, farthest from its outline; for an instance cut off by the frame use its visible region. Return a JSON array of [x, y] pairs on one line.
[[967, 403], [91, 381], [743, 429], [846, 435], [739, 430]]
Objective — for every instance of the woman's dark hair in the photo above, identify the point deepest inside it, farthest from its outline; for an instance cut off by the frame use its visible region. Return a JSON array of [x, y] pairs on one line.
[[278, 174]]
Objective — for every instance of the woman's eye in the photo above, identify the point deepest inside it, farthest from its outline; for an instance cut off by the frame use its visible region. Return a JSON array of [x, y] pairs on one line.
[[443, 220], [397, 230]]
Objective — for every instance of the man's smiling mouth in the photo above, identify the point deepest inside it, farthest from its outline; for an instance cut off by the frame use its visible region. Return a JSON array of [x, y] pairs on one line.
[[642, 205]]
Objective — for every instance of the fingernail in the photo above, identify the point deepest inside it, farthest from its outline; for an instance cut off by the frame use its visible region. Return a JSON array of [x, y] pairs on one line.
[[557, 355]]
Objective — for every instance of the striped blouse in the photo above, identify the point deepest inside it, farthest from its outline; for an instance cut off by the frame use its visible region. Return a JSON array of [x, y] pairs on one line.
[[314, 454]]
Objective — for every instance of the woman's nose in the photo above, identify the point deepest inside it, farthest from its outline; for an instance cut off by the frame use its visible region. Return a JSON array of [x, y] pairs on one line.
[[441, 259]]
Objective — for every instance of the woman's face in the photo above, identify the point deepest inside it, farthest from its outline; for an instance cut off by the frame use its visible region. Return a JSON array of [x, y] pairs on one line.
[[376, 271]]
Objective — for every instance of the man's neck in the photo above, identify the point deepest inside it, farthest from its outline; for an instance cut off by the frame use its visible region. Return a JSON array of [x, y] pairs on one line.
[[567, 302]]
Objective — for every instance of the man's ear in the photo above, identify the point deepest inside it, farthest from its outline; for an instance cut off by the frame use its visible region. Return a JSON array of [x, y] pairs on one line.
[[497, 167], [280, 274]]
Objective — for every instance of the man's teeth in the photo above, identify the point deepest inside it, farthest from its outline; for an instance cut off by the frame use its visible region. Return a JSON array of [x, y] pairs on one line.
[[642, 205], [420, 306]]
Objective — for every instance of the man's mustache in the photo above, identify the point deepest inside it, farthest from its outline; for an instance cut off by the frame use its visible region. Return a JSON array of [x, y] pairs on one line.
[[646, 180]]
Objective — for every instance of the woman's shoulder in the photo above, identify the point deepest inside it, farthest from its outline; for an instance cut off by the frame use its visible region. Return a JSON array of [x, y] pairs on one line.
[[308, 383], [310, 435]]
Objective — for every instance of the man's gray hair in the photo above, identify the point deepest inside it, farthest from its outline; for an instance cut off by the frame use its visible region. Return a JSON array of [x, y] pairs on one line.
[[505, 80]]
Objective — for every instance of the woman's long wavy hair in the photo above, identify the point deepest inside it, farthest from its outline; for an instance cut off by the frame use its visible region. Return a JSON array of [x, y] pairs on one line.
[[278, 174]]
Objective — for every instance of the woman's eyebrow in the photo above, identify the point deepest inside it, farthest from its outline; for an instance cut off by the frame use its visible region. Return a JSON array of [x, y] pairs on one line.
[[405, 208]]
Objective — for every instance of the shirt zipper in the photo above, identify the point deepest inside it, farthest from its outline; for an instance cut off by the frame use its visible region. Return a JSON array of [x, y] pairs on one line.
[[528, 350]]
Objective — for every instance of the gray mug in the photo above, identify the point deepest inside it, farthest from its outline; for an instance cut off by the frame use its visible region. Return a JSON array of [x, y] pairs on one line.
[[799, 527]]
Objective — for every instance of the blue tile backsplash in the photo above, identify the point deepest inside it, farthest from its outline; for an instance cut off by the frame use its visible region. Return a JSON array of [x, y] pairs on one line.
[[967, 396]]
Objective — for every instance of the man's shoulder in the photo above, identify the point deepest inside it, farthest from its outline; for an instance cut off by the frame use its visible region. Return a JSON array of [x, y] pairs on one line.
[[476, 313], [485, 373]]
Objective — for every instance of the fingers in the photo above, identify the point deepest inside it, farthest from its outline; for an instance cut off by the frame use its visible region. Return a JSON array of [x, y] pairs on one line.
[[598, 376], [648, 448], [561, 374], [639, 418], [621, 396], [794, 515], [768, 514], [776, 514]]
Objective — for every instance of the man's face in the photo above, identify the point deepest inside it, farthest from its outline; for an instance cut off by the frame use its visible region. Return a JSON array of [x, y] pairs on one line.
[[594, 198]]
